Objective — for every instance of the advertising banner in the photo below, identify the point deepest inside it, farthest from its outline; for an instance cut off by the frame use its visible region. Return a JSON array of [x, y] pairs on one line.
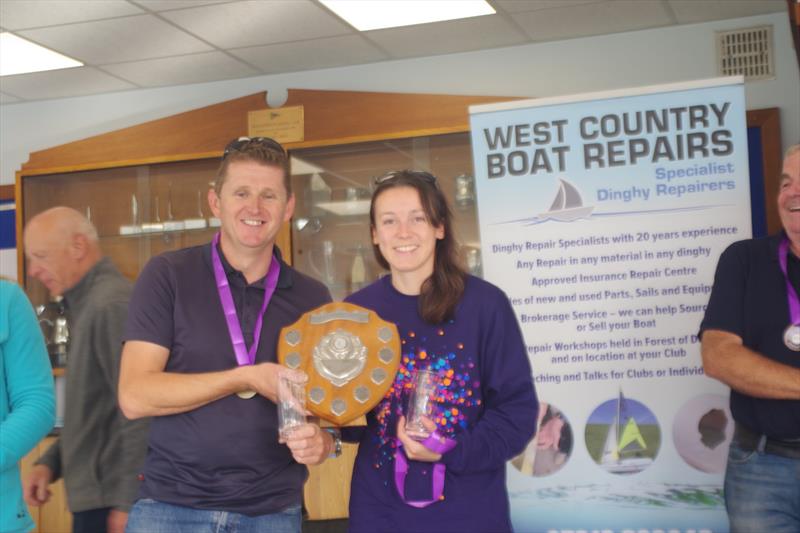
[[602, 217]]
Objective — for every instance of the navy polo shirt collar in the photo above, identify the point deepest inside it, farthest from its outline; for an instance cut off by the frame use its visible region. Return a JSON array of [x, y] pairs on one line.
[[792, 261], [284, 278], [775, 242]]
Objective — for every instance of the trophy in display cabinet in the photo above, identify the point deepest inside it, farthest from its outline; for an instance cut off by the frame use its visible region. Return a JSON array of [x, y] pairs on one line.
[[350, 355], [198, 222], [133, 228], [465, 191], [472, 257], [53, 321], [154, 227], [171, 224]]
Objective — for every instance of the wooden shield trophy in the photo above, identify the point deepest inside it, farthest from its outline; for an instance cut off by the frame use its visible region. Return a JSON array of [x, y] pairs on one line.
[[349, 354]]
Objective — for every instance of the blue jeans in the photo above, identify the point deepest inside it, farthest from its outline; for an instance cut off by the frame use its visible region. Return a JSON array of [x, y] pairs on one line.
[[762, 492], [151, 516]]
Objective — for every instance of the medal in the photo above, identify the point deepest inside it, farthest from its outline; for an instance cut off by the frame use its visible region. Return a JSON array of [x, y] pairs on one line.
[[791, 335], [243, 355]]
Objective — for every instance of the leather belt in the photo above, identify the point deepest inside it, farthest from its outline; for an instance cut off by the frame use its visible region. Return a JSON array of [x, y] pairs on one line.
[[751, 441]]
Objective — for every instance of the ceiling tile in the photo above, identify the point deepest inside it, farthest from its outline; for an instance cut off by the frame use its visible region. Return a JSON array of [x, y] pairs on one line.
[[167, 5], [116, 40], [19, 14], [8, 99], [592, 19], [61, 83], [179, 70], [307, 55], [489, 31], [252, 23], [691, 11], [518, 6]]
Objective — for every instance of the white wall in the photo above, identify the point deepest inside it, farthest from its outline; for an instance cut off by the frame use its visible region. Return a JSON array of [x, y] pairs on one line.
[[580, 65]]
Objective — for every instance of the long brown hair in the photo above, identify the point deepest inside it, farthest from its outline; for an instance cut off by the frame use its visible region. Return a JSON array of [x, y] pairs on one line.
[[441, 292]]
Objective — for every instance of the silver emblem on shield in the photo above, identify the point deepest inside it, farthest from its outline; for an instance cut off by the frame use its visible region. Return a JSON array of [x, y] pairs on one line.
[[316, 395], [338, 406], [339, 357]]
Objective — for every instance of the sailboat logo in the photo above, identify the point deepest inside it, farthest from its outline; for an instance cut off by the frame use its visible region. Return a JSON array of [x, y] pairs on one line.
[[567, 205], [626, 443]]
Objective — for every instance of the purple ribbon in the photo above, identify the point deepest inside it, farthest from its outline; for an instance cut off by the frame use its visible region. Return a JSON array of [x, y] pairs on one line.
[[436, 443], [243, 355], [791, 294]]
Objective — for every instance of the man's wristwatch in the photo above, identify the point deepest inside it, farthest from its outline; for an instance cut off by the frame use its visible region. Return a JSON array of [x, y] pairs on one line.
[[337, 442]]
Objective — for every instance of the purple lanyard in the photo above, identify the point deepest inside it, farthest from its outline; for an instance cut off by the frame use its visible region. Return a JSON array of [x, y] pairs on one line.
[[791, 294], [243, 355], [436, 443]]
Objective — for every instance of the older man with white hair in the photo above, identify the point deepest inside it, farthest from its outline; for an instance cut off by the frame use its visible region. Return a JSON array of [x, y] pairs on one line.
[[751, 342], [99, 451]]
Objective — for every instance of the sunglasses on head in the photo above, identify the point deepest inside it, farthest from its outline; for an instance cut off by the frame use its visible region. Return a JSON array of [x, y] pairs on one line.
[[413, 174], [237, 145]]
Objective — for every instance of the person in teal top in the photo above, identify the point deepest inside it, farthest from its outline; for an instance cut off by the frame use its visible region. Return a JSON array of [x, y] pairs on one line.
[[27, 401]]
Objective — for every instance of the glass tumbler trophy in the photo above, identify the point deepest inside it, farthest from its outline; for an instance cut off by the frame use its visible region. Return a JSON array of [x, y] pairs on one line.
[[420, 404], [291, 403]]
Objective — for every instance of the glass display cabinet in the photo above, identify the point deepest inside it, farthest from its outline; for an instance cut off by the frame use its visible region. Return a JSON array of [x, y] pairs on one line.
[[333, 185], [139, 211]]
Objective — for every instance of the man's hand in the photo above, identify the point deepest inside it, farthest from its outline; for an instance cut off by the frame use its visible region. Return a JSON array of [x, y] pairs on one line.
[[309, 444], [35, 487], [414, 449], [116, 521], [263, 378]]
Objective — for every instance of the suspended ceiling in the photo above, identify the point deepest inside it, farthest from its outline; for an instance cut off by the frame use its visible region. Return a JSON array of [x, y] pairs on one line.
[[131, 44]]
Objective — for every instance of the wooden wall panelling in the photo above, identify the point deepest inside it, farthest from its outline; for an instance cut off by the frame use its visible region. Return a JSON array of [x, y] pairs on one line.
[[25, 465], [768, 120], [54, 516], [6, 192], [331, 117], [327, 491]]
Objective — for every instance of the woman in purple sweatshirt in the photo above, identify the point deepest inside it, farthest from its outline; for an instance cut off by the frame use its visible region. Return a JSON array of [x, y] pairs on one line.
[[465, 331]]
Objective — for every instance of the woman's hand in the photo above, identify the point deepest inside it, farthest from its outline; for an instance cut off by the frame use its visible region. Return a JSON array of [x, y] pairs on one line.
[[413, 448]]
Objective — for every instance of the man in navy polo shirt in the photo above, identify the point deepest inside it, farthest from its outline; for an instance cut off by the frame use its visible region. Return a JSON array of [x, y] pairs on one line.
[[214, 460], [751, 342]]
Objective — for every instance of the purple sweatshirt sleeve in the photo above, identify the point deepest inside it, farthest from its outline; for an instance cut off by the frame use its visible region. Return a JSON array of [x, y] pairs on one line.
[[508, 421]]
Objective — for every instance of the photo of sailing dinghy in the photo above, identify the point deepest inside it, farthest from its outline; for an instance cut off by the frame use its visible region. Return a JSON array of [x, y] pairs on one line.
[[623, 436]]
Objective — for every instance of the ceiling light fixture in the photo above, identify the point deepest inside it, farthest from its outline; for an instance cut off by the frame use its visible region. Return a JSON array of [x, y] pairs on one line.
[[365, 16], [19, 56]]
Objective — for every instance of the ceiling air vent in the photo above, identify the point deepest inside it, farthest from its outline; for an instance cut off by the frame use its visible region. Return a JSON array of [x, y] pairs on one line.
[[746, 52]]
